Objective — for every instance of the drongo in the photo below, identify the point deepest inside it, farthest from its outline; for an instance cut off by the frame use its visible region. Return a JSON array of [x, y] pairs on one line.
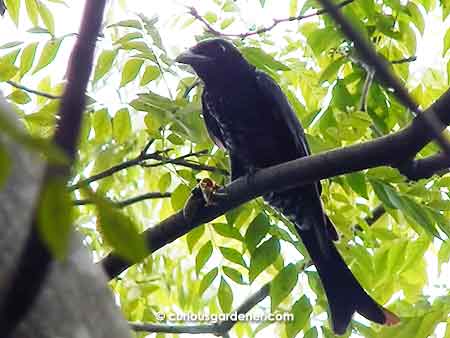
[[247, 114]]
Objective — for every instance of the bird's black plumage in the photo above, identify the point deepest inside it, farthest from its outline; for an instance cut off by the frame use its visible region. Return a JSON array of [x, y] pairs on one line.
[[246, 113]]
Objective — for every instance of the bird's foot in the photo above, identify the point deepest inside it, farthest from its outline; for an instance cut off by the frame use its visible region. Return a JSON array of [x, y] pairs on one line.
[[205, 194], [210, 191]]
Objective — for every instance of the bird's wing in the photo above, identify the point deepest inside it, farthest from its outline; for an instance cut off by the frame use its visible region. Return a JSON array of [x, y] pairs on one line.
[[272, 91], [211, 124]]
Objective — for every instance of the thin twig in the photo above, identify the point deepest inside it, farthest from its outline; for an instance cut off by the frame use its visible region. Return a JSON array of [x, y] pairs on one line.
[[219, 329], [33, 91], [275, 23], [140, 160], [129, 201]]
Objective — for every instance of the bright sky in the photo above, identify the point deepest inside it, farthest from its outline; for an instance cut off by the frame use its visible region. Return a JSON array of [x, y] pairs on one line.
[[176, 39]]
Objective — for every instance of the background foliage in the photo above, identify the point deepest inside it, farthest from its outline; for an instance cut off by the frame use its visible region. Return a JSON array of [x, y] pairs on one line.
[[138, 94]]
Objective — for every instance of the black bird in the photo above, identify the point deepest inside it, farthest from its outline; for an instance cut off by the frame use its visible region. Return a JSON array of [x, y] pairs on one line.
[[246, 113]]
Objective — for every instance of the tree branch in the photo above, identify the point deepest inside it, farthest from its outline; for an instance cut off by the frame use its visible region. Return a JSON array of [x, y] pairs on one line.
[[389, 150], [129, 201], [276, 22], [426, 167], [382, 68], [33, 91]]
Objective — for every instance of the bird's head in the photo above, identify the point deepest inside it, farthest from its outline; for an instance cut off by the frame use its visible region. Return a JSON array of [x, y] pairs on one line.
[[214, 59]]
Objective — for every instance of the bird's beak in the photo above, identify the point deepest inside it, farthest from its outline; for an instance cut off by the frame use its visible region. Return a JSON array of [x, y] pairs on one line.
[[191, 58]]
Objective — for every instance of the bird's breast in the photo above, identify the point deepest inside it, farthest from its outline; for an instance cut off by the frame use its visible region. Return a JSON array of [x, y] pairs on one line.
[[248, 127]]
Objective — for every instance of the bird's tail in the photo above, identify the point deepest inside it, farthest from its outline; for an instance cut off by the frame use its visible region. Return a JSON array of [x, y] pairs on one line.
[[344, 293]]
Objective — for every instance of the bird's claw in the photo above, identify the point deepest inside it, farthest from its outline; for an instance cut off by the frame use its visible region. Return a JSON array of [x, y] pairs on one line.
[[209, 190]]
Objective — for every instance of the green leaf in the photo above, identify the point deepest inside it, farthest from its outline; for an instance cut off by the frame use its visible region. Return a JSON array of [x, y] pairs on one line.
[[225, 295], [122, 129], [32, 11], [104, 63], [262, 2], [417, 213], [102, 125], [179, 197], [233, 256], [47, 17], [311, 333], [127, 23], [330, 73], [19, 96], [151, 73], [203, 256], [234, 274], [48, 54], [321, 40], [27, 58], [13, 7], [379, 188], [226, 23], [128, 37], [119, 230], [301, 310], [130, 71], [256, 231], [416, 16], [193, 236], [282, 285], [226, 230], [357, 181], [446, 42], [164, 182], [211, 17], [207, 281], [55, 216], [11, 44], [7, 71], [263, 256], [261, 59]]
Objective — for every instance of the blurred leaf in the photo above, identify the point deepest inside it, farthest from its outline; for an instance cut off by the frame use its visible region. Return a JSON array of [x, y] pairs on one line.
[[263, 256], [233, 256], [119, 230], [151, 73], [207, 280], [55, 216], [225, 296], [13, 7], [261, 59], [104, 63], [27, 58], [122, 129], [234, 274], [130, 71], [203, 256], [282, 285], [301, 310], [256, 231], [179, 197], [46, 16], [48, 54], [32, 11]]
